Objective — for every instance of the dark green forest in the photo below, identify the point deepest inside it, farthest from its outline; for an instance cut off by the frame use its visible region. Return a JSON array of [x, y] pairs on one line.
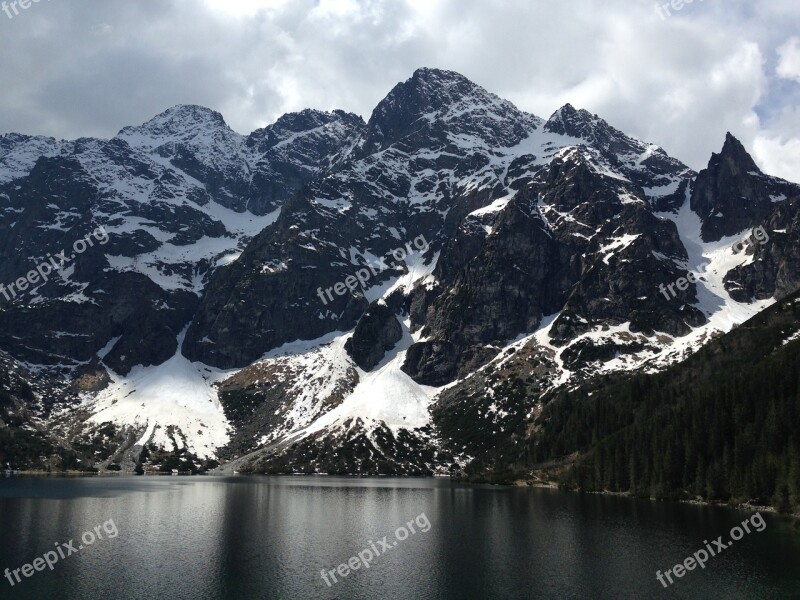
[[722, 426]]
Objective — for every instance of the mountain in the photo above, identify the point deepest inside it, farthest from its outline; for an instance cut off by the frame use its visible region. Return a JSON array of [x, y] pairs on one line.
[[176, 197], [401, 295]]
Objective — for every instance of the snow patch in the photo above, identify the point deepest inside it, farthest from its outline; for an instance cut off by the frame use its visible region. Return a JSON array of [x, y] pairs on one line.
[[176, 393]]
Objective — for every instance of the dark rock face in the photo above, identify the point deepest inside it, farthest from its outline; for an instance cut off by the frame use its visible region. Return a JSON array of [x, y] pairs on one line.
[[621, 276], [774, 245], [293, 150], [269, 296], [71, 316], [377, 332], [732, 194], [55, 186], [440, 362], [573, 240], [503, 291]]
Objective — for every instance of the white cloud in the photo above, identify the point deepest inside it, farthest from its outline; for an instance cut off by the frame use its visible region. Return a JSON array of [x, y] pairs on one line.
[[778, 156], [680, 82], [243, 8], [789, 63], [775, 150]]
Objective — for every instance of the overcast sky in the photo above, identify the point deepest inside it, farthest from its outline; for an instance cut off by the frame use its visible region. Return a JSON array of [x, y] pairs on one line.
[[73, 68]]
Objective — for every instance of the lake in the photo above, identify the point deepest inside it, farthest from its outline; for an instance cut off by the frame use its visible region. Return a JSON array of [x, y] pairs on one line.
[[271, 538]]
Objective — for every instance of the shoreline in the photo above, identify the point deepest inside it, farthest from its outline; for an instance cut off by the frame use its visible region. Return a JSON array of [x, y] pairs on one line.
[[696, 502], [518, 483]]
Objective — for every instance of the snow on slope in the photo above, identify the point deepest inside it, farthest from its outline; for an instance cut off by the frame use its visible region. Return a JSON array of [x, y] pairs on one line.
[[328, 392], [384, 395], [18, 154], [417, 270], [710, 261], [160, 265], [176, 393], [317, 373]]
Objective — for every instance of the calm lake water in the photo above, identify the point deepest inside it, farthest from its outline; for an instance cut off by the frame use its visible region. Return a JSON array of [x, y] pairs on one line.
[[269, 538]]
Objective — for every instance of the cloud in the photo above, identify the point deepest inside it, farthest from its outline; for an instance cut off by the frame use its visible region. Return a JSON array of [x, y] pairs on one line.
[[781, 156], [75, 69], [776, 150], [789, 63]]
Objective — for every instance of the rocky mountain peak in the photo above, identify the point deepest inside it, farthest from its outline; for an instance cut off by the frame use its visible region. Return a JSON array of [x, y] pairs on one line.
[[427, 92], [338, 123], [440, 87], [567, 120], [181, 122], [732, 194], [617, 147], [734, 154], [433, 100]]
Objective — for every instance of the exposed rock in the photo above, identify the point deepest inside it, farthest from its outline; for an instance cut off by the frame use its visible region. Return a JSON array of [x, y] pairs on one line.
[[732, 194], [774, 245], [377, 332]]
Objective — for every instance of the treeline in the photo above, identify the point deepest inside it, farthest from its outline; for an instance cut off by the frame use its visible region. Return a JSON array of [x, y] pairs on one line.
[[722, 426], [30, 450]]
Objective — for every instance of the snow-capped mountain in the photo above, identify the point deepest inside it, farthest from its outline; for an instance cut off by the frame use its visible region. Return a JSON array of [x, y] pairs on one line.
[[395, 296], [178, 197]]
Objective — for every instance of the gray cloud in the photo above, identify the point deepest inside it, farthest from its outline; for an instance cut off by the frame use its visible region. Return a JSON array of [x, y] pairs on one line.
[[89, 67]]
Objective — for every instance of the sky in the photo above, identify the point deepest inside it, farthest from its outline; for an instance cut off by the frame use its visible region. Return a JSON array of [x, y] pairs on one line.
[[678, 78]]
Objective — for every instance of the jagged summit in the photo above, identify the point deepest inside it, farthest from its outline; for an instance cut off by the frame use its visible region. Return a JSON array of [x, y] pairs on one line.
[[580, 123], [569, 121], [337, 124], [733, 194], [426, 92], [434, 98], [176, 121], [734, 151]]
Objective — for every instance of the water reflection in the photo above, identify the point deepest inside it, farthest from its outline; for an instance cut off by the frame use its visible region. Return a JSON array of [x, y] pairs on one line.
[[240, 537]]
